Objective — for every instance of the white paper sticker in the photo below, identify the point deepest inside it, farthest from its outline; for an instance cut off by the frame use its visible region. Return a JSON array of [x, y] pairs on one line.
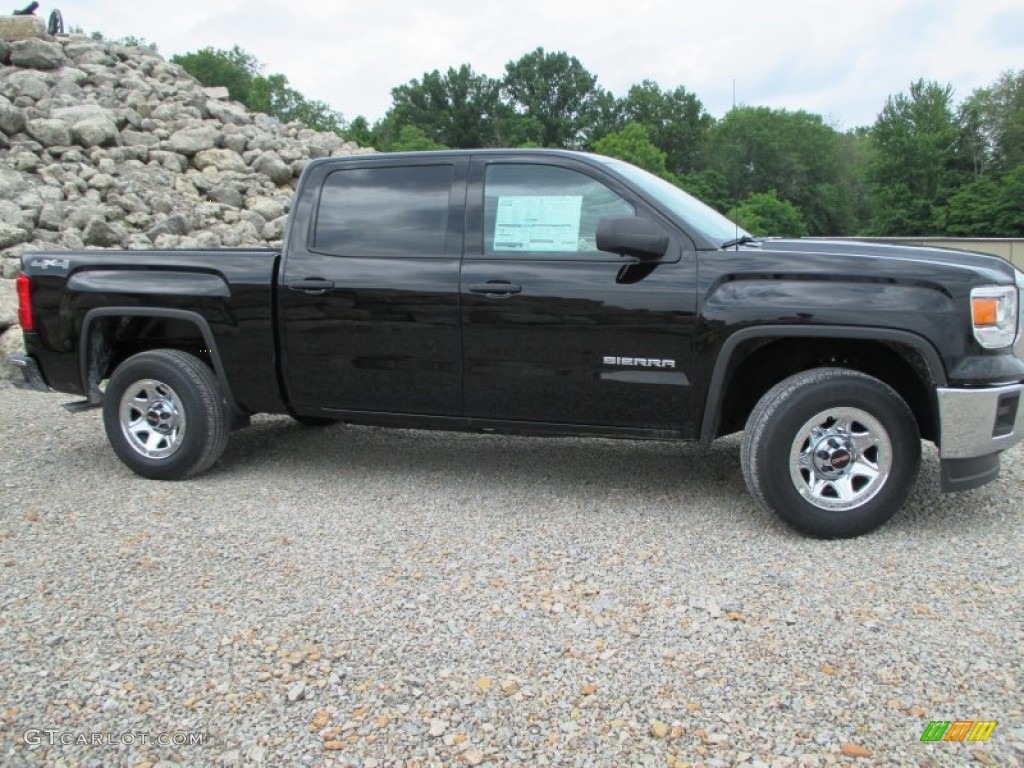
[[538, 223]]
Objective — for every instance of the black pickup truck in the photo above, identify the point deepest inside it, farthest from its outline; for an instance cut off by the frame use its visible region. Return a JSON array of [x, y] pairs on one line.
[[547, 292]]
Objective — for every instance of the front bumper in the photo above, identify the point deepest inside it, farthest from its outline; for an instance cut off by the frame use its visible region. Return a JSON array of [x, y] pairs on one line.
[[976, 425], [32, 377]]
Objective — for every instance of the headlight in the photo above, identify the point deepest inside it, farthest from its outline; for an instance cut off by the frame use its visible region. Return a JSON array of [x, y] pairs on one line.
[[994, 314]]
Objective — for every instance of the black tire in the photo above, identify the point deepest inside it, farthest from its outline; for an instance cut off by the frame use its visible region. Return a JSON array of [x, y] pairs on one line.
[[314, 421], [165, 415], [833, 452]]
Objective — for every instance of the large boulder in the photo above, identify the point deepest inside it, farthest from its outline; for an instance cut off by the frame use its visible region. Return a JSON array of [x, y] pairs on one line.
[[271, 164], [96, 132], [12, 342], [8, 304], [11, 235], [229, 112], [103, 233], [221, 159], [37, 54], [49, 131], [77, 112], [12, 119], [189, 141], [27, 84], [14, 28]]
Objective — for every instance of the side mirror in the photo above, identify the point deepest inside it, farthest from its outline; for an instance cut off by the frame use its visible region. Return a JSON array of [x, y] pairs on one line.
[[631, 236]]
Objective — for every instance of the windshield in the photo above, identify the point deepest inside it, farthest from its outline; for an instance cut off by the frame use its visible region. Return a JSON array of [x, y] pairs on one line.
[[703, 218]]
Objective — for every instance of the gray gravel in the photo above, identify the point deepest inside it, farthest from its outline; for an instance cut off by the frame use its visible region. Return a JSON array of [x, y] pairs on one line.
[[367, 597]]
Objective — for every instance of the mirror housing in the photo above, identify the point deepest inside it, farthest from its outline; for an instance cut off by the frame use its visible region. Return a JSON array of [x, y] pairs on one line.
[[631, 236]]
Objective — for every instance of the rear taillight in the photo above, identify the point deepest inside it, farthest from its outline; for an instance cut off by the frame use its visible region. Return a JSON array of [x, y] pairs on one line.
[[25, 319]]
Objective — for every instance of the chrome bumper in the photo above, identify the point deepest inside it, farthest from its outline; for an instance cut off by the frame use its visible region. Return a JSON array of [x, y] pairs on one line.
[[979, 422]]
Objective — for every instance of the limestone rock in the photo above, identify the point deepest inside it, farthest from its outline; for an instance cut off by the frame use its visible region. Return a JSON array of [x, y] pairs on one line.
[[269, 209], [27, 84], [221, 159], [49, 132], [14, 28], [229, 112], [37, 54], [102, 233], [11, 235], [11, 343], [111, 146], [8, 305], [12, 119], [271, 164], [189, 141], [96, 132]]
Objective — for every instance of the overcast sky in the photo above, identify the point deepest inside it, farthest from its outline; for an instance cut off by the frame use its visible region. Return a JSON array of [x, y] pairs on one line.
[[839, 59]]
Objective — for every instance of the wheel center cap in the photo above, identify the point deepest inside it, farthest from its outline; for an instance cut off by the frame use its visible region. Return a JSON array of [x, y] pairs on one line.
[[833, 455], [160, 416]]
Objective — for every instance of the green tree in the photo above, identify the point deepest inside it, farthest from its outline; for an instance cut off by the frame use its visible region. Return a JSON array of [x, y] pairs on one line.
[[458, 108], [242, 74], [360, 131], [764, 214], [562, 100], [214, 67], [993, 119], [989, 206], [916, 167], [272, 95], [675, 120], [709, 186], [633, 144], [411, 138], [796, 155]]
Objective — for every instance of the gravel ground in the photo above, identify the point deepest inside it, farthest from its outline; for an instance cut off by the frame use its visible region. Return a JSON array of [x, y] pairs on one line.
[[365, 597]]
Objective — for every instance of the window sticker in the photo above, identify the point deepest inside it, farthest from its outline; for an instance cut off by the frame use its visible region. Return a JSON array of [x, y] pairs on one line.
[[538, 223]]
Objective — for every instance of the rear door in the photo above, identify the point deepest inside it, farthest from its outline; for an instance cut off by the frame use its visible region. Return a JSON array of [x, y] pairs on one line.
[[556, 331], [369, 292]]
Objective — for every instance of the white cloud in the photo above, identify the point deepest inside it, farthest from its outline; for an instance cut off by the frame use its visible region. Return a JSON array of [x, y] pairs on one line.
[[840, 59]]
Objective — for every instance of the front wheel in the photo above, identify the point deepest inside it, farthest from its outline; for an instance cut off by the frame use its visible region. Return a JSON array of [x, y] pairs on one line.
[[833, 452], [165, 415]]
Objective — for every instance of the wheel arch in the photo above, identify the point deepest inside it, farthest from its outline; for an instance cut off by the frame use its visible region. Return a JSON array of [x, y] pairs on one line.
[[98, 350], [754, 359]]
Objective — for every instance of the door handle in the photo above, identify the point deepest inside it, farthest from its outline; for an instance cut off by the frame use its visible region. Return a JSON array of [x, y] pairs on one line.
[[496, 288], [313, 285]]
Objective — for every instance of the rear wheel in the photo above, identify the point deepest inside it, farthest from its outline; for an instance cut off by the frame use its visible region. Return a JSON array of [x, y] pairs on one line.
[[833, 452], [165, 415]]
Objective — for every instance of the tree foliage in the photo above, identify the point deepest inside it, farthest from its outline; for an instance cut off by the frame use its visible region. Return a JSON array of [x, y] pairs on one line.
[[926, 166], [458, 108], [764, 214], [916, 163], [242, 74], [796, 155], [559, 97], [675, 121], [633, 144]]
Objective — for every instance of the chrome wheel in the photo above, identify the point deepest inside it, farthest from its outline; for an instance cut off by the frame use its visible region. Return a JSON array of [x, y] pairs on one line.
[[840, 459], [152, 419]]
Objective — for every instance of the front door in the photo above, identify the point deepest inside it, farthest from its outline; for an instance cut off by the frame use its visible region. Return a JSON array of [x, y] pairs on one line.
[[369, 295], [555, 330]]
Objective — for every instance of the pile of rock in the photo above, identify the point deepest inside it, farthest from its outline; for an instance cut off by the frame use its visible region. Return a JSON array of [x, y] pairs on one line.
[[110, 146]]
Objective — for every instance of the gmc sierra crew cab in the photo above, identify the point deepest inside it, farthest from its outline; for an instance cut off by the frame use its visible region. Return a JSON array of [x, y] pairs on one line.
[[547, 292]]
